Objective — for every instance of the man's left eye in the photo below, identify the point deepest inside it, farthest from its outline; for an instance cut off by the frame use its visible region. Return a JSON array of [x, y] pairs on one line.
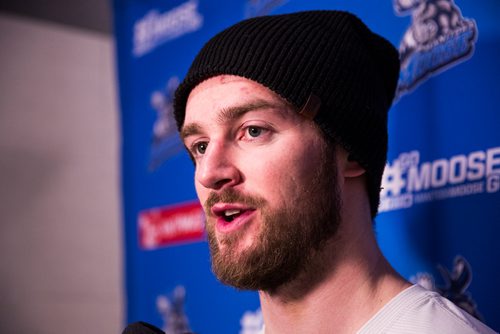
[[254, 131]]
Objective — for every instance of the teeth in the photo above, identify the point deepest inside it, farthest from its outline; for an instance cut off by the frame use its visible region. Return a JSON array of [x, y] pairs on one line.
[[231, 212]]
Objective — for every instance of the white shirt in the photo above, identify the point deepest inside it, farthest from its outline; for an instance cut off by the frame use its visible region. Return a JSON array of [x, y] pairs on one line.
[[417, 310]]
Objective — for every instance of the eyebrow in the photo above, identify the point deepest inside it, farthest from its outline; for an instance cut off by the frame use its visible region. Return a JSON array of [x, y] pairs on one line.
[[230, 114]]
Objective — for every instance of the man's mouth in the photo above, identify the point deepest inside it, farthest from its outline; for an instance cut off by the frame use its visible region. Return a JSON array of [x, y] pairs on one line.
[[231, 214], [228, 214], [231, 217]]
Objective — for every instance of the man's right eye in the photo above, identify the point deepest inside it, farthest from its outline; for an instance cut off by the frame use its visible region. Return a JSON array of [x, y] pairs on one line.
[[200, 147]]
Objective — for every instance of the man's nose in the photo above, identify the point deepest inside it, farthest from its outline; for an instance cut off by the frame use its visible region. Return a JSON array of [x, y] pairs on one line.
[[217, 168]]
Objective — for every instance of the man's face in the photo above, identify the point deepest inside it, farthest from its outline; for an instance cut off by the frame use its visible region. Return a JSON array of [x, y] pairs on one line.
[[266, 179]]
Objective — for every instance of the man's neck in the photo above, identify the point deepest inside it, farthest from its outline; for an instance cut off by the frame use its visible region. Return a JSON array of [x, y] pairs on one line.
[[342, 289]]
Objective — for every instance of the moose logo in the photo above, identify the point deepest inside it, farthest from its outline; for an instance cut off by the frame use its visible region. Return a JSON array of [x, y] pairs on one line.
[[165, 141], [438, 37], [172, 311], [455, 285]]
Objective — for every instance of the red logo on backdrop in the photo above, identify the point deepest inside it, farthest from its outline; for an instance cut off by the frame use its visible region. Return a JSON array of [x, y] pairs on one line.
[[181, 223]]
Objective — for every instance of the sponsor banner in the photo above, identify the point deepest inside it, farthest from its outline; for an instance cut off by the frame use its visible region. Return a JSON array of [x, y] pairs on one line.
[[441, 186], [172, 225]]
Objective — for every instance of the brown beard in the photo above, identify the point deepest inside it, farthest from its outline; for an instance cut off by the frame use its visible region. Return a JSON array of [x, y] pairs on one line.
[[289, 235]]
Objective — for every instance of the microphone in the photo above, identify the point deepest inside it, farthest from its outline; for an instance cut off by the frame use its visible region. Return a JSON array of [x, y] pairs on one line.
[[142, 327]]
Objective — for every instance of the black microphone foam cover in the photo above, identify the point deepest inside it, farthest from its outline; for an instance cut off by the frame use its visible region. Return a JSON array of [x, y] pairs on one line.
[[142, 327]]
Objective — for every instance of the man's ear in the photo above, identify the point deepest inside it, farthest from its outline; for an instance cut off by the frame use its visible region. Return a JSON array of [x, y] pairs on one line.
[[353, 168]]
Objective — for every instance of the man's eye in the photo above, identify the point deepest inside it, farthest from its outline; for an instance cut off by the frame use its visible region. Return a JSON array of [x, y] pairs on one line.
[[254, 131], [200, 148]]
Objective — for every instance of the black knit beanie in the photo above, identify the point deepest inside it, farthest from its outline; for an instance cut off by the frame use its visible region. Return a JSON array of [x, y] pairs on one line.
[[329, 55]]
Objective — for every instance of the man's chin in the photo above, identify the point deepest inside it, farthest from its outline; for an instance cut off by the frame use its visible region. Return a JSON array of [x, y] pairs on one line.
[[233, 254], [230, 263], [236, 242]]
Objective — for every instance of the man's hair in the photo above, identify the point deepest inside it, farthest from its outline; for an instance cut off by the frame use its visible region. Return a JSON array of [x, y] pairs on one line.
[[328, 57]]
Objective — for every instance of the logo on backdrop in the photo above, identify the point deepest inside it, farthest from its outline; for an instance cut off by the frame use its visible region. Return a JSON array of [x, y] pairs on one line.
[[252, 322], [157, 28], [455, 285], [437, 38], [408, 181], [166, 141], [171, 225], [171, 309]]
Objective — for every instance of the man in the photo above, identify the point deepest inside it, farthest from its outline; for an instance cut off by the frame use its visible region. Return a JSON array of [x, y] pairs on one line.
[[285, 118]]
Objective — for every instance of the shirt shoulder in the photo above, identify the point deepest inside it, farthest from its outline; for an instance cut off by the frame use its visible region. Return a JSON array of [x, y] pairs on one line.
[[417, 310]]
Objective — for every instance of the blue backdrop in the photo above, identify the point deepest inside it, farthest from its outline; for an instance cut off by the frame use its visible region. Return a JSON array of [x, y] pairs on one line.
[[441, 193]]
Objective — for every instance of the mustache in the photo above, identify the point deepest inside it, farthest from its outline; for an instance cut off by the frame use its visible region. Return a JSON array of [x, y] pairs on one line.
[[232, 196]]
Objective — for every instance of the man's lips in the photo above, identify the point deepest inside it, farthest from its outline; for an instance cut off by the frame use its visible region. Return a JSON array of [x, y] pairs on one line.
[[231, 216]]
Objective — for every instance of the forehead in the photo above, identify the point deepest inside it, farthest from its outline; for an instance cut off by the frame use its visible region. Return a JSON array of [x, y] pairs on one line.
[[225, 91]]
